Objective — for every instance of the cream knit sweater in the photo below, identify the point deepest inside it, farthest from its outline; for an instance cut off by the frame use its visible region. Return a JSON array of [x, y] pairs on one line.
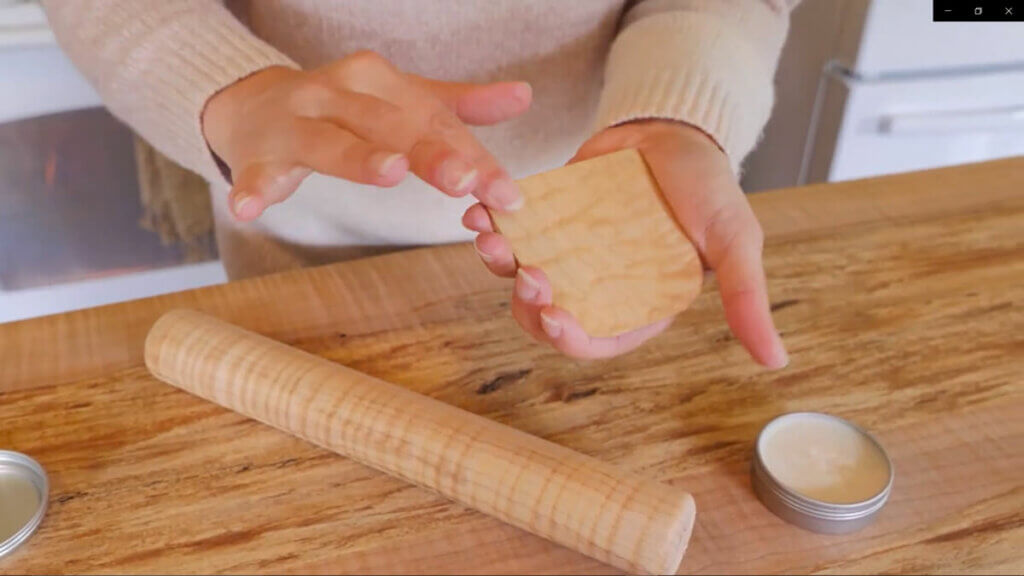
[[592, 64]]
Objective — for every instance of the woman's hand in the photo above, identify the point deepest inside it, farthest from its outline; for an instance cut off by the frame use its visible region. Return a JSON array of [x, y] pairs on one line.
[[361, 119], [707, 201]]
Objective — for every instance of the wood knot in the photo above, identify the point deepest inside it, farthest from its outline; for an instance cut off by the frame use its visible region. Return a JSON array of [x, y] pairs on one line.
[[65, 498], [497, 382], [782, 304], [570, 394]]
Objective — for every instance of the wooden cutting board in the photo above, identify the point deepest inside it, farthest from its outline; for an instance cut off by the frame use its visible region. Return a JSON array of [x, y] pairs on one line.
[[901, 300]]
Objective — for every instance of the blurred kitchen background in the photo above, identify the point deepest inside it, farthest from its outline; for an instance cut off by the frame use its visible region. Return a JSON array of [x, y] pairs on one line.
[[865, 87]]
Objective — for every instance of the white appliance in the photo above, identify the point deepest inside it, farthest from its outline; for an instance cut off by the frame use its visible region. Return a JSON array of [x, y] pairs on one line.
[[871, 87], [69, 207]]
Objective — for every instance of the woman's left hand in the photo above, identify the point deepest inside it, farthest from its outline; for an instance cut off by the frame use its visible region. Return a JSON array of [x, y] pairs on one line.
[[708, 203]]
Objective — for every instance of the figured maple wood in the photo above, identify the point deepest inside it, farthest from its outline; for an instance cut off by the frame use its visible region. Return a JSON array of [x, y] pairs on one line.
[[622, 519], [901, 300], [604, 235]]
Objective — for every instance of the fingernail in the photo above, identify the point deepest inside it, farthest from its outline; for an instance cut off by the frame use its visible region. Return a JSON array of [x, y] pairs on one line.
[[552, 327], [458, 176], [245, 206], [527, 286], [480, 253], [523, 91], [504, 194], [780, 358], [390, 166]]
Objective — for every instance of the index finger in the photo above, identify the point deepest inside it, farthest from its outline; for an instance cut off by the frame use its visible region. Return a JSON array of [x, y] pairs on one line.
[[744, 293], [719, 221], [494, 188], [412, 117]]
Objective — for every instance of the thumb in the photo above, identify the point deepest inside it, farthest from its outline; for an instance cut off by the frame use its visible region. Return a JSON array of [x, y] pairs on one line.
[[259, 185], [481, 104], [609, 140]]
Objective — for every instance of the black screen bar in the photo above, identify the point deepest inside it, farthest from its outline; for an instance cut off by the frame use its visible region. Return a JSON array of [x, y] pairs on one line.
[[978, 11]]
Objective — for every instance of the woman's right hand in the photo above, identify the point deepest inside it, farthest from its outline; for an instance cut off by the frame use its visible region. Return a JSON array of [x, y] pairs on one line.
[[360, 119]]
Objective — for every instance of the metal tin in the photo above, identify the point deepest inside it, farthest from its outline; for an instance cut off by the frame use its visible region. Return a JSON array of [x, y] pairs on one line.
[[810, 513], [19, 475]]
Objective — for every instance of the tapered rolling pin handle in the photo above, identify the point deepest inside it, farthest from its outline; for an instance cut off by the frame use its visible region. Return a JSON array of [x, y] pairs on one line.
[[579, 502]]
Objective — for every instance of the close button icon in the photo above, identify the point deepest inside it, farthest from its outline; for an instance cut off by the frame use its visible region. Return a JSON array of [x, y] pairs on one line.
[[977, 10]]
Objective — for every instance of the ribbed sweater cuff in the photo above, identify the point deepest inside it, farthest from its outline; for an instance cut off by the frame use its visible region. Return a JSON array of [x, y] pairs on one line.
[[692, 98], [694, 68], [216, 51]]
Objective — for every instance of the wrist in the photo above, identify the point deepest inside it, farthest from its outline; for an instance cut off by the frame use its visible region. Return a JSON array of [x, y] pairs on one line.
[[674, 127], [231, 102]]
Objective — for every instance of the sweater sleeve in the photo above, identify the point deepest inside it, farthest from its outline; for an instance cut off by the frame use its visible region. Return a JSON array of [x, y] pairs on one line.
[[155, 64], [709, 63]]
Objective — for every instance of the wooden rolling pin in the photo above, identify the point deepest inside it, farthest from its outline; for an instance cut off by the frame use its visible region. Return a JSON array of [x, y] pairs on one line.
[[630, 522]]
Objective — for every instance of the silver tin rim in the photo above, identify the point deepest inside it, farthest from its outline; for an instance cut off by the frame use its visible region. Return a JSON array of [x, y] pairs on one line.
[[810, 513], [33, 471]]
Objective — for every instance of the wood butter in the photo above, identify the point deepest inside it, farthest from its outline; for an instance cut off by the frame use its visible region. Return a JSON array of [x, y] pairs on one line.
[[820, 472], [824, 458], [19, 501]]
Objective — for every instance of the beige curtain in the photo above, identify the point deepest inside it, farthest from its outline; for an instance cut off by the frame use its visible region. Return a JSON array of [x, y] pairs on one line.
[[175, 204]]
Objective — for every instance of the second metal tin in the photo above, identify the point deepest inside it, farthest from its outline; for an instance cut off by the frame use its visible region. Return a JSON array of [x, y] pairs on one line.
[[24, 489]]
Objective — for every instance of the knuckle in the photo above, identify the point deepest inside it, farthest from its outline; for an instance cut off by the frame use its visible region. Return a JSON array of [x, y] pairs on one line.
[[389, 117], [443, 122], [344, 161], [427, 155], [346, 151], [361, 62], [310, 96], [730, 225], [299, 140], [366, 57]]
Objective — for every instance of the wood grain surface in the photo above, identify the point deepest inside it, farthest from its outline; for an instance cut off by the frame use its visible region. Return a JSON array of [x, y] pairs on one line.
[[623, 519], [900, 299], [607, 241]]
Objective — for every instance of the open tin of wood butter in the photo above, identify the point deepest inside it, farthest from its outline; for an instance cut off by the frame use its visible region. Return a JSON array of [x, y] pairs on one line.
[[820, 472], [24, 489]]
